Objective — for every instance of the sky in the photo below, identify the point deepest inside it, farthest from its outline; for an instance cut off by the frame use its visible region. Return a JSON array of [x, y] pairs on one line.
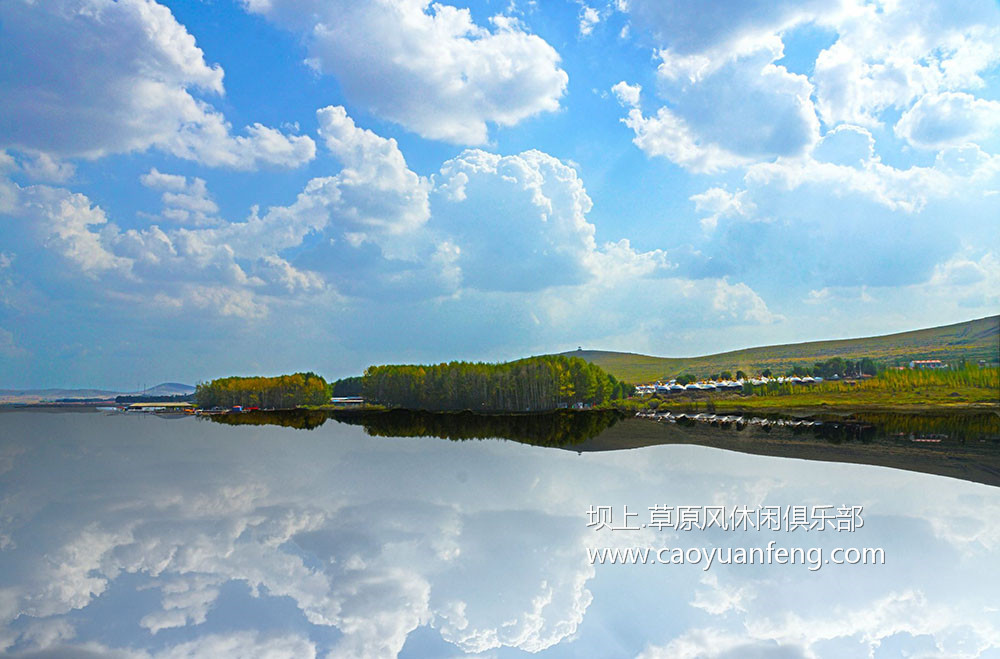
[[196, 189]]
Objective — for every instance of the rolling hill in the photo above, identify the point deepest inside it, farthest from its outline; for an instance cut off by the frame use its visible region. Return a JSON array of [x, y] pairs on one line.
[[972, 340], [29, 396]]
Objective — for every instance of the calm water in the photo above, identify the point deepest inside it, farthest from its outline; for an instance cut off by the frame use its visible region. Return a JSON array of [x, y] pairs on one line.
[[145, 536]]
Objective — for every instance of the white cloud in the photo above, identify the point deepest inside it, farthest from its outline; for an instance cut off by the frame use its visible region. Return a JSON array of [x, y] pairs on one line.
[[62, 222], [238, 268], [250, 645], [862, 630], [44, 633], [43, 167], [88, 78], [589, 17], [744, 110], [949, 119], [739, 303], [887, 55], [494, 232], [627, 95], [185, 601], [973, 281], [185, 201], [863, 230], [723, 25], [897, 189], [717, 599], [720, 203], [519, 221], [846, 145], [962, 271], [375, 191], [666, 134], [429, 68]]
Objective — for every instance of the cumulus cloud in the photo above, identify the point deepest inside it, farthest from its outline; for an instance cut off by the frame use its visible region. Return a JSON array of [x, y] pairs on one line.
[[708, 125], [376, 191], [897, 189], [730, 103], [720, 203], [505, 232], [519, 221], [888, 56], [949, 119], [973, 280], [627, 95], [739, 303], [88, 78], [666, 134], [899, 616], [723, 25], [74, 236], [185, 201], [251, 645], [846, 145], [71, 226], [43, 167], [589, 17], [237, 268], [429, 68], [831, 205], [185, 601]]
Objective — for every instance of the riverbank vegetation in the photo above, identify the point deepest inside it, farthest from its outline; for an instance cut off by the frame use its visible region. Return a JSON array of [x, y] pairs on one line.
[[532, 384], [280, 392]]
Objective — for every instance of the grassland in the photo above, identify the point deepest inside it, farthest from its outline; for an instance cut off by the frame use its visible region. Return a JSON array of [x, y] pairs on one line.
[[971, 341], [971, 387]]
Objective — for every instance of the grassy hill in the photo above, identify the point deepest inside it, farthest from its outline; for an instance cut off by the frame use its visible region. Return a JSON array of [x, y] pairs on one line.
[[972, 340]]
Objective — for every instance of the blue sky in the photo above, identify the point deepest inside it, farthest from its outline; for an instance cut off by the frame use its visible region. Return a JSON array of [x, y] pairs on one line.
[[197, 189]]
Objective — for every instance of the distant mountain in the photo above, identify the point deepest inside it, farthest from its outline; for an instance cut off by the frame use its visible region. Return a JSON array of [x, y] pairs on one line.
[[168, 389], [27, 396], [972, 340]]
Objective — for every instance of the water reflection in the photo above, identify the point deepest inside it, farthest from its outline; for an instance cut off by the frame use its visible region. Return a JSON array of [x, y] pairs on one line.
[[141, 537], [562, 428], [960, 445]]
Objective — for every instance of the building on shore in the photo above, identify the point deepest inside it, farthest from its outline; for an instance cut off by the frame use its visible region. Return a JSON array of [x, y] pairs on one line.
[[927, 363], [348, 401]]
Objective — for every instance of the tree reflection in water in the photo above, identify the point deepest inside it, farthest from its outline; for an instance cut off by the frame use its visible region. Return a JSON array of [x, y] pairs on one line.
[[560, 428]]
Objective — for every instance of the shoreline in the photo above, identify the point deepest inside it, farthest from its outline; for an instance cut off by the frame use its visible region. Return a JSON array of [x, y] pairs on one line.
[[716, 406]]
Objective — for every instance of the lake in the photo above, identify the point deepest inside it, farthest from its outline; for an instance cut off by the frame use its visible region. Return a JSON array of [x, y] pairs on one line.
[[144, 536]]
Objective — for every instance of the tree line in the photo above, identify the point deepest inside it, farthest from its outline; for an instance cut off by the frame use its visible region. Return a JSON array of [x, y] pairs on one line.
[[526, 385], [836, 366], [280, 392]]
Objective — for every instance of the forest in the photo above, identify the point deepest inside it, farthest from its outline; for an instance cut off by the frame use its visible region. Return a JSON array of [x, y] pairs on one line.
[[280, 392], [527, 385]]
